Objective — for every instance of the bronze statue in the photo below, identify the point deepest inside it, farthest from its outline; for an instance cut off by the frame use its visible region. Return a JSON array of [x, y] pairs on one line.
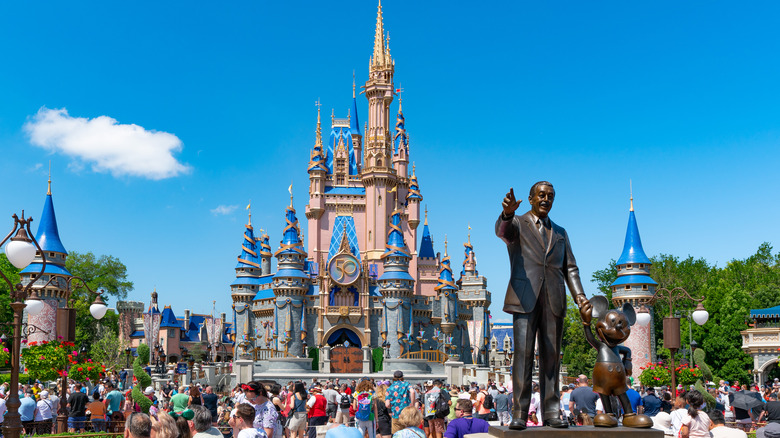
[[541, 261], [613, 362]]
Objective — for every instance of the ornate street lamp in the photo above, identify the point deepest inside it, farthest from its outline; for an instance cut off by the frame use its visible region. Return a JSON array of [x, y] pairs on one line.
[[127, 356], [671, 322], [21, 250]]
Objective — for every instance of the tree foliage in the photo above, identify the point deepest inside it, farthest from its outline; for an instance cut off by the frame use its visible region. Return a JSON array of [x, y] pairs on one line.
[[729, 294], [110, 351], [105, 272], [578, 355], [144, 380]]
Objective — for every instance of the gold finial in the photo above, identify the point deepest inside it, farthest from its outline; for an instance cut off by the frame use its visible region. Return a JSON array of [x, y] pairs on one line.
[[249, 208], [353, 84], [469, 225], [318, 141], [445, 245], [631, 194], [48, 191], [399, 91], [426, 215], [344, 247], [332, 116], [289, 189], [414, 168]]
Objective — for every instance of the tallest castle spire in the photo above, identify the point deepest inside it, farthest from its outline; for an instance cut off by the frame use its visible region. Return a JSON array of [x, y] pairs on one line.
[[381, 58]]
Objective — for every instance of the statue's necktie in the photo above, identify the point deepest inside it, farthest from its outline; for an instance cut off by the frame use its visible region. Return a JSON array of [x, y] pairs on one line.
[[544, 233]]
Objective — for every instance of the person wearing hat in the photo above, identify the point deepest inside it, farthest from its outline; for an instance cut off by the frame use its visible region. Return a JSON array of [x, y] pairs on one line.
[[663, 421], [651, 403], [718, 427], [501, 402], [43, 413], [316, 410], [399, 395]]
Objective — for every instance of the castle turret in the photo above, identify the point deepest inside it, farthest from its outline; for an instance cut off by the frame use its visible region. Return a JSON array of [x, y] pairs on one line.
[[634, 285], [396, 286], [290, 283], [354, 128], [469, 260], [378, 175], [448, 295], [52, 292], [248, 268], [413, 199], [427, 262], [400, 145], [317, 172]]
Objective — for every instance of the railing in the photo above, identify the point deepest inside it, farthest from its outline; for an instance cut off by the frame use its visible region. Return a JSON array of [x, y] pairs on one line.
[[429, 355], [267, 353], [107, 428]]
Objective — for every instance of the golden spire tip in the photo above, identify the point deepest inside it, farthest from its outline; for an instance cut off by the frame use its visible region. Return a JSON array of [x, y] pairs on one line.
[[48, 191], [426, 215], [631, 194]]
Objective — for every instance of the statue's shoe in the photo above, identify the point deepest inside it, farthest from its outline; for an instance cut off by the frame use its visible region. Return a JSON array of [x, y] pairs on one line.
[[637, 420], [556, 423], [605, 420], [517, 424]]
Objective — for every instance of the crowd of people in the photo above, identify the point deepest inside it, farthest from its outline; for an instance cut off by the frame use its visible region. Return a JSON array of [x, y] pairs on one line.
[[371, 408]]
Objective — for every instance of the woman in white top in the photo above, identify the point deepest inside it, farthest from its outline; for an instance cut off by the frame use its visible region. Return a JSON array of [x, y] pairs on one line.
[[695, 424]]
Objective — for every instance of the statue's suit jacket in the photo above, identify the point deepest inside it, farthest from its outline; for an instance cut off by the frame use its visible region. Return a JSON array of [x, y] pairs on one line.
[[538, 267]]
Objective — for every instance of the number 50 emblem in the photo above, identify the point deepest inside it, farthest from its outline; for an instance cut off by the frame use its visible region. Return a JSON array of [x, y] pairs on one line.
[[344, 269]]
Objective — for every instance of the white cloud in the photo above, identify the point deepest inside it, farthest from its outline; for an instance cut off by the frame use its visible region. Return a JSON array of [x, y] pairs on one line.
[[122, 150], [223, 209]]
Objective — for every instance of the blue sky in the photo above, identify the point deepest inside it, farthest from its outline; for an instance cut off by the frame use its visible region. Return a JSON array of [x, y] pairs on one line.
[[680, 98]]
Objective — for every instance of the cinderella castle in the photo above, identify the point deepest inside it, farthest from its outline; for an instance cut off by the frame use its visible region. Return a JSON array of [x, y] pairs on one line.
[[367, 285]]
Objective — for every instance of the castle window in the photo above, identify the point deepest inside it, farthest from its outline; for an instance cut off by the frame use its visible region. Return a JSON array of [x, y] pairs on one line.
[[51, 254], [644, 287], [628, 287], [341, 171], [629, 267], [171, 333]]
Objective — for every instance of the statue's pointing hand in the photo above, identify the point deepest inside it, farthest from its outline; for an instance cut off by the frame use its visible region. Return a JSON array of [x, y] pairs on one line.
[[510, 204]]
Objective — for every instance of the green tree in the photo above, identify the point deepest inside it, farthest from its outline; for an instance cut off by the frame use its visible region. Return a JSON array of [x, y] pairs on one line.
[[110, 351], [105, 272], [578, 356], [604, 278], [10, 271]]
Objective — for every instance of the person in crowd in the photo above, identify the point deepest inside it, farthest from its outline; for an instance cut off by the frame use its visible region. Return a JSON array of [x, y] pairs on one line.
[[718, 427], [678, 413], [634, 398], [565, 399], [582, 398], [409, 423], [316, 410], [297, 411], [399, 395], [138, 425], [3, 409], [184, 422], [436, 426], [651, 403], [663, 421], [180, 401], [27, 411], [164, 426], [210, 402], [464, 423], [77, 404], [266, 415], [345, 402], [43, 414], [336, 430], [194, 398], [696, 423], [202, 423], [364, 406], [332, 396], [244, 418], [384, 424], [501, 402], [97, 410], [479, 407]]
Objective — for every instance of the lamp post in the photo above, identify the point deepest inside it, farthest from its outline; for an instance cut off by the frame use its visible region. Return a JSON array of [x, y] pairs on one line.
[[21, 250], [671, 322], [127, 357], [66, 331]]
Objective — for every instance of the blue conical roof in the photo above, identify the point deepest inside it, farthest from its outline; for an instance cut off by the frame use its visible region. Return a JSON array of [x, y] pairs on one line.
[[468, 250], [426, 244], [446, 282], [395, 246], [291, 240], [48, 235], [414, 188], [354, 126], [249, 257], [632, 248]]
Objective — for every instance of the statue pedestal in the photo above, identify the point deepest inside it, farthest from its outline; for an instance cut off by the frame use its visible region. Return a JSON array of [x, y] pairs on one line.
[[454, 371], [290, 364], [367, 358], [578, 432], [243, 369]]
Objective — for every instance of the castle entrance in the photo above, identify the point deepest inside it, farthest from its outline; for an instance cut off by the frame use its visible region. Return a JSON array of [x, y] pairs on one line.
[[346, 356]]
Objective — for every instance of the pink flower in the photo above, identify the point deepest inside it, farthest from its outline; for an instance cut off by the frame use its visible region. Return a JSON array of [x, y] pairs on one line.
[[41, 358], [75, 353]]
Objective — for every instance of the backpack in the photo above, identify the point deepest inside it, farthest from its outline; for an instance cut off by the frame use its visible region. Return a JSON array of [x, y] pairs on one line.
[[430, 401], [443, 406], [488, 402], [345, 402], [363, 406], [96, 390]]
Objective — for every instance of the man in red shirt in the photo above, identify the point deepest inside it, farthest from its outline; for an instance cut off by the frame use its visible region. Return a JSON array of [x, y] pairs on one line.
[[316, 409]]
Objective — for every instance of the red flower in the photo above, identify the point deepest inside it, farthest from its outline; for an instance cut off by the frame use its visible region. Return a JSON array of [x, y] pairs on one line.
[[80, 369]]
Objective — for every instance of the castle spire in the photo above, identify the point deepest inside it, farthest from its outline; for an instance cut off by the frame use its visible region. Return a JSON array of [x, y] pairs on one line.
[[48, 192], [317, 161], [631, 195], [378, 60]]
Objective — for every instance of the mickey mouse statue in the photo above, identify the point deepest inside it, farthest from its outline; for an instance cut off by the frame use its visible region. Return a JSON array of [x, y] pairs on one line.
[[613, 362]]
